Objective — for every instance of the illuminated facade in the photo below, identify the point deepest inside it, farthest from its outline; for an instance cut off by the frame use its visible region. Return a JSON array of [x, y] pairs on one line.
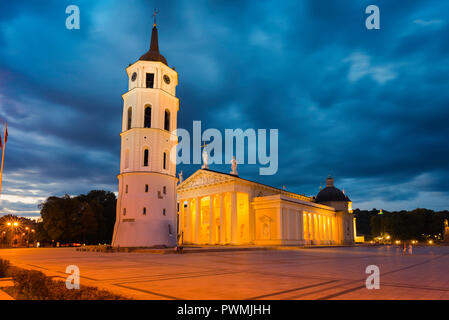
[[214, 207], [218, 208]]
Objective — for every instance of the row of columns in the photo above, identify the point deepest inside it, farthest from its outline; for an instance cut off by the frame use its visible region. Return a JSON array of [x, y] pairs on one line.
[[193, 236], [320, 229]]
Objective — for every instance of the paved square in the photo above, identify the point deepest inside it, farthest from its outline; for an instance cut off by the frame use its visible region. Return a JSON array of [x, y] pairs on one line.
[[320, 273]]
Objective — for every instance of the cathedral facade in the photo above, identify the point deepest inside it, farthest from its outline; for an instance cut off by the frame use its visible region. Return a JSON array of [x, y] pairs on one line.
[[217, 208], [209, 207]]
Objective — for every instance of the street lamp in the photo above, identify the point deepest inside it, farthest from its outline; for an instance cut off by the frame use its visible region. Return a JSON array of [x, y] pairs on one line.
[[12, 225]]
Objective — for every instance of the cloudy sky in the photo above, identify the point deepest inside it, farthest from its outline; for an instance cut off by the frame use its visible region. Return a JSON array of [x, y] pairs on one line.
[[369, 107]]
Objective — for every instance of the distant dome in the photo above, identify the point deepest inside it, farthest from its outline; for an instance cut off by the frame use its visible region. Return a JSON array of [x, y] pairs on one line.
[[330, 193]]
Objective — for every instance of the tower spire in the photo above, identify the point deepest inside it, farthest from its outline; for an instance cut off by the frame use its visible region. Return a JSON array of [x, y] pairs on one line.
[[153, 54]]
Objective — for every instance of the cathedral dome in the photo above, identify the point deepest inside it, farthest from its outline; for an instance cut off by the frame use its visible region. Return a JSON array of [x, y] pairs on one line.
[[330, 193], [153, 54]]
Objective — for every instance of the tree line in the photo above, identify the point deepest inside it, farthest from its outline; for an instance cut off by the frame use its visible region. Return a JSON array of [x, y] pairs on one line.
[[85, 219], [419, 224]]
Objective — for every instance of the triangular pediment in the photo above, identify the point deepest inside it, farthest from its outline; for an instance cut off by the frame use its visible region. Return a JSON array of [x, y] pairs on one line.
[[204, 178], [265, 219]]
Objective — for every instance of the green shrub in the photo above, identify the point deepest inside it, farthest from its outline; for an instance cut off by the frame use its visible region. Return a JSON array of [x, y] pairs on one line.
[[4, 266], [34, 285], [31, 283]]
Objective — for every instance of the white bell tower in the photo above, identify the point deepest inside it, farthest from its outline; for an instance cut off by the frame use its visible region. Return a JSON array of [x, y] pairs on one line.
[[146, 204]]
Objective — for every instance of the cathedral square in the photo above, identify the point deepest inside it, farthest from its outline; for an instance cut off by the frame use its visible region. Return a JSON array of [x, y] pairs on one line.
[[325, 186]]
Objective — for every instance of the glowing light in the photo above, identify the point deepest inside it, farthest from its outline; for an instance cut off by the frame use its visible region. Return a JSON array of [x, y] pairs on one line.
[[397, 241], [388, 237], [430, 241]]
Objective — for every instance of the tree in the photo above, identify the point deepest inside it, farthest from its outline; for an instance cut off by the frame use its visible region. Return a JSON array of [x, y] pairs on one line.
[[86, 218]]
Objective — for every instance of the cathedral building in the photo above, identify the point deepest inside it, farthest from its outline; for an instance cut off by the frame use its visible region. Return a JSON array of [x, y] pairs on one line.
[[220, 208], [209, 207]]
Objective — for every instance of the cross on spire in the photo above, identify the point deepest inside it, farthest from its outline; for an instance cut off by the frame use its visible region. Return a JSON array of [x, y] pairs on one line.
[[155, 13]]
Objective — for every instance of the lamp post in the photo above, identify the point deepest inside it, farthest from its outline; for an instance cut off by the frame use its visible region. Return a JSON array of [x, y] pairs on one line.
[[28, 236], [32, 231], [12, 225]]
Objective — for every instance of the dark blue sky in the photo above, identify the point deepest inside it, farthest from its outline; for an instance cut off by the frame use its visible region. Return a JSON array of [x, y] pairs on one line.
[[369, 107]]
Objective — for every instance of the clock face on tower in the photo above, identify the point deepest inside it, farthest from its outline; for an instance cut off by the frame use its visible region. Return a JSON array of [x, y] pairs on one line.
[[166, 79], [134, 76]]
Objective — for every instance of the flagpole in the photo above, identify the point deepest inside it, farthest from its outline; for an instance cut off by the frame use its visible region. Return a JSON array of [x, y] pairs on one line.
[[3, 157]]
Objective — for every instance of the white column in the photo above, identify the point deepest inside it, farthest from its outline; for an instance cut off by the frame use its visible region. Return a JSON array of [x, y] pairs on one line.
[[197, 218], [181, 219], [331, 229], [211, 220], [222, 220], [323, 229], [313, 237], [188, 217], [320, 228], [234, 222], [300, 225], [305, 217], [252, 221]]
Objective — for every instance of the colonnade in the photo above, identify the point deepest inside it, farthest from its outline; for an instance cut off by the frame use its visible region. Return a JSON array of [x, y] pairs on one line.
[[190, 219], [322, 229]]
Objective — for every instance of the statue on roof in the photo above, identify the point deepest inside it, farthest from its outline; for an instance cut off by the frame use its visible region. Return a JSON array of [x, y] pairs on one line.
[[234, 166], [205, 157]]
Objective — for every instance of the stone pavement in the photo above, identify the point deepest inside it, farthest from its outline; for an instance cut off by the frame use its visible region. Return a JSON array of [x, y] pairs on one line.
[[5, 282], [321, 273]]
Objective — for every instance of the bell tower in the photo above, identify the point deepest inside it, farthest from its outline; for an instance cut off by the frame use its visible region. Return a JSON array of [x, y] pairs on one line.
[[146, 204]]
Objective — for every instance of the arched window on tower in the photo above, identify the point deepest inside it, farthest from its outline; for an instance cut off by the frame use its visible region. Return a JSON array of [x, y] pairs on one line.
[[167, 120], [147, 121], [127, 159], [164, 164], [146, 154], [130, 117]]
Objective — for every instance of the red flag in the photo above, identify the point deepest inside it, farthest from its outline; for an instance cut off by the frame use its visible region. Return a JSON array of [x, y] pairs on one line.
[[6, 134]]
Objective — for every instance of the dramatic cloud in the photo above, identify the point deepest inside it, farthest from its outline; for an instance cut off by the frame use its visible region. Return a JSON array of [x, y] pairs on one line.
[[370, 107]]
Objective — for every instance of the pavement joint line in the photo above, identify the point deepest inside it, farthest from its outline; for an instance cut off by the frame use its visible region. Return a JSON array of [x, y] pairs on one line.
[[341, 293], [168, 275], [32, 265], [147, 291], [292, 290], [185, 277], [382, 274], [414, 287], [321, 290]]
